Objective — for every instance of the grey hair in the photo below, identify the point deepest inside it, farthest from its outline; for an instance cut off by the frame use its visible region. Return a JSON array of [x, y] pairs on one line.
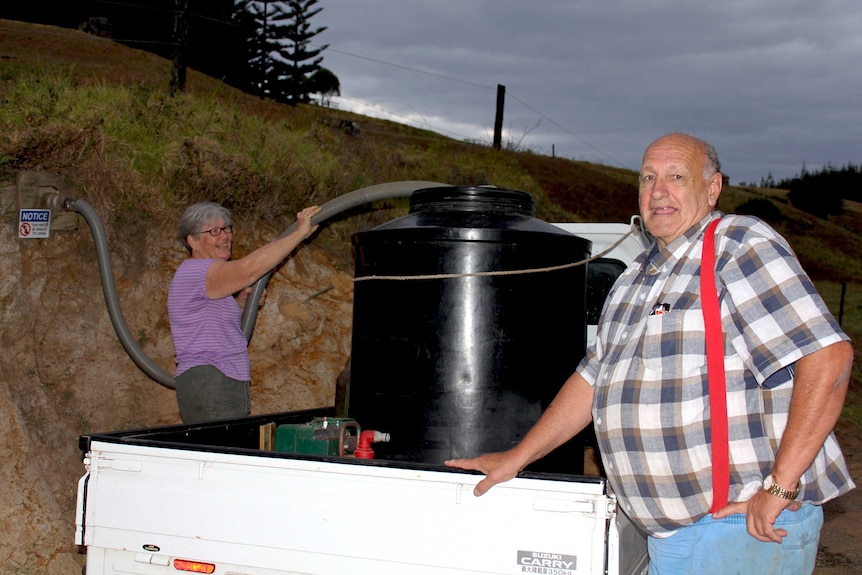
[[711, 164], [197, 216]]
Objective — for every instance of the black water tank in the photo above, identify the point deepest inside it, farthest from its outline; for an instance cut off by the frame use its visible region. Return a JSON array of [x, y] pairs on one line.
[[452, 364]]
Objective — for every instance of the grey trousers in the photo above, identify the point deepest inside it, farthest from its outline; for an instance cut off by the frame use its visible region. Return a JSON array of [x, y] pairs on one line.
[[204, 393]]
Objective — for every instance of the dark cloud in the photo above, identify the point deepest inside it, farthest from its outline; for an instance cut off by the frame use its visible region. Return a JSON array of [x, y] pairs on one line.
[[772, 83]]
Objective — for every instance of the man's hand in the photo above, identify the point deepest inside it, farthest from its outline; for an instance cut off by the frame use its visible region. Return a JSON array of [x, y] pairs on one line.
[[761, 511], [497, 467], [567, 415]]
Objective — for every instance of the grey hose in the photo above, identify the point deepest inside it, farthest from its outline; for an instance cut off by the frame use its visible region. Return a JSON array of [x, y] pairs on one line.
[[327, 210], [249, 317], [109, 288]]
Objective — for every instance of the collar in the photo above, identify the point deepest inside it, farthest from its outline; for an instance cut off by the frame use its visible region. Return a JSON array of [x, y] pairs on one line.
[[654, 261]]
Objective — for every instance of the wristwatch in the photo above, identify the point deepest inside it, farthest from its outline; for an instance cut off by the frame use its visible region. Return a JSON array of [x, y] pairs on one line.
[[771, 487]]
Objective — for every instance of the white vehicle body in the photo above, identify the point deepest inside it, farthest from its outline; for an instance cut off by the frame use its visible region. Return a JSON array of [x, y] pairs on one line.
[[613, 241], [205, 498]]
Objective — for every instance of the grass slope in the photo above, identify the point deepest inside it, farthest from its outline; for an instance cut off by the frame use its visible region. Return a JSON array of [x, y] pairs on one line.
[[100, 114]]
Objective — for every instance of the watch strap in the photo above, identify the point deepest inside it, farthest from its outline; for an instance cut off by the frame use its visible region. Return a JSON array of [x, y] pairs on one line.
[[778, 491]]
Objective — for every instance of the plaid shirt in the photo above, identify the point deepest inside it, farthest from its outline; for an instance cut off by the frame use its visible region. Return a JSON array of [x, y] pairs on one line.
[[648, 370]]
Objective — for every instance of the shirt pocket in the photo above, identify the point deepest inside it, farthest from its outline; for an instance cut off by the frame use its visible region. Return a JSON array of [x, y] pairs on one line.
[[674, 345]]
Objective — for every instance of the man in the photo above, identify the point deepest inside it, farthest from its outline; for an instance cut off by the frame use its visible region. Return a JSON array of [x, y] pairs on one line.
[[644, 385]]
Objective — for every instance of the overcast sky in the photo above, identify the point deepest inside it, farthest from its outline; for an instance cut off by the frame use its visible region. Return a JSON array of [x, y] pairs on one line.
[[771, 83]]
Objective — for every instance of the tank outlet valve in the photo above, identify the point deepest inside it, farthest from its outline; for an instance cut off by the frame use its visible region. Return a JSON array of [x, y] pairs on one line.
[[366, 438]]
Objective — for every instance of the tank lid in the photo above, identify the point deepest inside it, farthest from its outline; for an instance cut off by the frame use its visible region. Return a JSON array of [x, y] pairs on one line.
[[470, 199]]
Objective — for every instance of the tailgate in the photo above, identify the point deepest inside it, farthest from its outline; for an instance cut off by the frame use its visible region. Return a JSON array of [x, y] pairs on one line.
[[325, 517]]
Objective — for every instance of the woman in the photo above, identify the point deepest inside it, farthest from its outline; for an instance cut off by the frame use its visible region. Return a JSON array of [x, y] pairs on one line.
[[205, 309]]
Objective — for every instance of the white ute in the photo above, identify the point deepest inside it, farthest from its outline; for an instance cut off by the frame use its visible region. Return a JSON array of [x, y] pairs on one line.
[[207, 498]]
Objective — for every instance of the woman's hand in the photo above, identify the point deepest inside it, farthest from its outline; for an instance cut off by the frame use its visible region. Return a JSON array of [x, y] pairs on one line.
[[242, 296], [303, 221]]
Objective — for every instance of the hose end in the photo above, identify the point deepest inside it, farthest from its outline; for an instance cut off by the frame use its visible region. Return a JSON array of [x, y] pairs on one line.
[[58, 202]]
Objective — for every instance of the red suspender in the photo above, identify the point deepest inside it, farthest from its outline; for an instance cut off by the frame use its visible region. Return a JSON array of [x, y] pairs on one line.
[[715, 371]]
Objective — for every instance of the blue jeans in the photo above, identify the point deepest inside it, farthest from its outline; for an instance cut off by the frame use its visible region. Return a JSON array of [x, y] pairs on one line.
[[724, 547]]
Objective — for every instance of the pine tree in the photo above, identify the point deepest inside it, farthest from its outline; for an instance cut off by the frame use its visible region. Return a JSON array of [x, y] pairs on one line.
[[302, 61], [253, 17], [280, 57]]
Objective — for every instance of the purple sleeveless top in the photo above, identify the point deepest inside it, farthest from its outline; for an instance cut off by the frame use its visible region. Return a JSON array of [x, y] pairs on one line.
[[205, 331]]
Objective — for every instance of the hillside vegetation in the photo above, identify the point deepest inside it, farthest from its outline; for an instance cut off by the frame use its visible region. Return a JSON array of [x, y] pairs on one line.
[[100, 115]]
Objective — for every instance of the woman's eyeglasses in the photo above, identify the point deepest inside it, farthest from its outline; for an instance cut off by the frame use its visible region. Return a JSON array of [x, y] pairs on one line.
[[218, 231]]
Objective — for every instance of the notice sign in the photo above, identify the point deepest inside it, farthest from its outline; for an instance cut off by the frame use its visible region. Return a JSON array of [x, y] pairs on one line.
[[34, 224]]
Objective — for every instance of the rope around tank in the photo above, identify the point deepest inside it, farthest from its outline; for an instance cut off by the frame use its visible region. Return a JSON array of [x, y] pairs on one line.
[[632, 230]]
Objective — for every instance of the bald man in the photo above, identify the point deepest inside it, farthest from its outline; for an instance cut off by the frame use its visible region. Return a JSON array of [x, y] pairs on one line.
[[644, 386]]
